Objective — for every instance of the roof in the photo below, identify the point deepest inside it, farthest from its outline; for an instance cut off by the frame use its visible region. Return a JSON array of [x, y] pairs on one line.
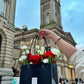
[[68, 34]]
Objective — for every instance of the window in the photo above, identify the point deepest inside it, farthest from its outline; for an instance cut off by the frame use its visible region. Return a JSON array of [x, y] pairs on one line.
[[56, 17], [2, 7], [47, 18]]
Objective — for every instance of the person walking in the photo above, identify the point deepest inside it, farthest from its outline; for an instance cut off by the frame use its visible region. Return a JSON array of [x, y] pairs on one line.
[[60, 81]]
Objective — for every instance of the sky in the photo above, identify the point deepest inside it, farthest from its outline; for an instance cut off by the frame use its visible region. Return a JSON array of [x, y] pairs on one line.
[[72, 13]]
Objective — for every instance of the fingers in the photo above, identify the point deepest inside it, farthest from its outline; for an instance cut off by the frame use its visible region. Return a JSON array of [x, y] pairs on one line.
[[42, 33]]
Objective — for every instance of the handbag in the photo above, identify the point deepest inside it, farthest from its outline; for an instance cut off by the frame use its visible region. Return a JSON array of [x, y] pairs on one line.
[[44, 73]]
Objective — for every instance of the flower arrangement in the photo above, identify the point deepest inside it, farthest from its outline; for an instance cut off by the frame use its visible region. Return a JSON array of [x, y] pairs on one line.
[[41, 56]]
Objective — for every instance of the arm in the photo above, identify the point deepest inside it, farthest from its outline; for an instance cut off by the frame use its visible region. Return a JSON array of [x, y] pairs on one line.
[[66, 48]]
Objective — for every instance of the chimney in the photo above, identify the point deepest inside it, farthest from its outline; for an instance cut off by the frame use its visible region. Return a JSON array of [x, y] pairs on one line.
[[25, 28]]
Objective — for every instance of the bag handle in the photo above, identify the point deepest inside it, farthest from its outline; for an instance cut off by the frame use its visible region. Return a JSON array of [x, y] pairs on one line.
[[47, 47], [45, 44], [33, 42]]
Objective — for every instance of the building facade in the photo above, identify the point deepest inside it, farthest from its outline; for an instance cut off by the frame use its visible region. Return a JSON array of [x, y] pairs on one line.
[[11, 39], [7, 29]]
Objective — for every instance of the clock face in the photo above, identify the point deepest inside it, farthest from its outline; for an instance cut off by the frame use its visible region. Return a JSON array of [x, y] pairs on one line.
[[2, 6]]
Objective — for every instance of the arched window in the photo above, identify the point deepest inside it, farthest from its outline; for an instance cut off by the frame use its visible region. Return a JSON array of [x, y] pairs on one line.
[[2, 7], [0, 43]]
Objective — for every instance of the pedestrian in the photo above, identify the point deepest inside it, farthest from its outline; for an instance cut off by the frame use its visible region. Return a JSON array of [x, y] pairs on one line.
[[60, 81], [76, 80], [80, 81]]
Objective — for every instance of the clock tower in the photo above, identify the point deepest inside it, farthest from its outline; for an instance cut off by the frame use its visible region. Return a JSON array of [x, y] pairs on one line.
[[50, 13], [7, 29]]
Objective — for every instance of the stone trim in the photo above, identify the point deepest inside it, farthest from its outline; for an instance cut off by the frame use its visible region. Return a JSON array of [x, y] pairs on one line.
[[5, 78], [6, 75], [6, 71], [3, 45], [6, 47]]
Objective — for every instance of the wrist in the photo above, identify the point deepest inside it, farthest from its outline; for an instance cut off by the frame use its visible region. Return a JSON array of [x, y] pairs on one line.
[[55, 37], [57, 40]]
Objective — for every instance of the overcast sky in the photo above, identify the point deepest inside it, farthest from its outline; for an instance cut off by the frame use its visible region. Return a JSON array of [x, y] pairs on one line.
[[72, 12]]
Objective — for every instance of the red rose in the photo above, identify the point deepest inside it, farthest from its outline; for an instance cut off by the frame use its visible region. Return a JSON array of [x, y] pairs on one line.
[[36, 62], [49, 53], [54, 62], [29, 56], [35, 59]]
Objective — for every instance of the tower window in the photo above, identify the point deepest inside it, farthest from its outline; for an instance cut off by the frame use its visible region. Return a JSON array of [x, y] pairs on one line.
[[47, 18], [2, 7], [56, 17]]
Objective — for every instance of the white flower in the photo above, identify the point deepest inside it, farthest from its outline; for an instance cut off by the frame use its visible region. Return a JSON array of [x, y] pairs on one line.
[[42, 50], [31, 63], [23, 53], [45, 60], [38, 51], [24, 47], [55, 51], [41, 53], [22, 58], [27, 51], [37, 47]]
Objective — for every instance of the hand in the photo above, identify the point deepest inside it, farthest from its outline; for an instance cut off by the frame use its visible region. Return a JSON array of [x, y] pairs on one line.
[[47, 34]]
